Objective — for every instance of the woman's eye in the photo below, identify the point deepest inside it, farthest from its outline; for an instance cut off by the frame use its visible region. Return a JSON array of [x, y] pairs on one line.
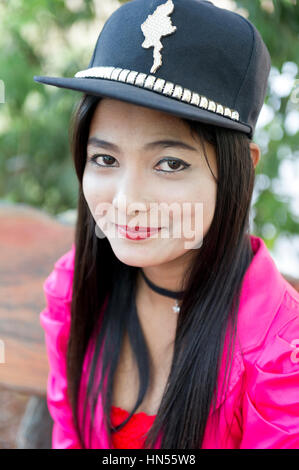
[[173, 164], [107, 159]]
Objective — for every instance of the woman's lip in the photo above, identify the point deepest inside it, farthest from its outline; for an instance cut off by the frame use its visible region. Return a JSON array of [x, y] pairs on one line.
[[140, 229]]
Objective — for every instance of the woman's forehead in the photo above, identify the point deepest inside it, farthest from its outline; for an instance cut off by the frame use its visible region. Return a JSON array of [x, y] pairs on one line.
[[122, 115]]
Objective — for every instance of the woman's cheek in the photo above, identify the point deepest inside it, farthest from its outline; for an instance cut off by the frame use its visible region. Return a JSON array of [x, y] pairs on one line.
[[90, 186], [98, 195], [206, 196]]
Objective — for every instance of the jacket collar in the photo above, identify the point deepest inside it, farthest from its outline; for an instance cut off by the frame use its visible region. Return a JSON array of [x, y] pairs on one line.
[[262, 292]]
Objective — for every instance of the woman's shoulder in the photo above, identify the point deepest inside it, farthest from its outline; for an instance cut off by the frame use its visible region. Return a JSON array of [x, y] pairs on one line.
[[279, 351], [268, 301], [58, 284], [58, 289], [66, 261], [276, 358], [270, 406], [269, 329]]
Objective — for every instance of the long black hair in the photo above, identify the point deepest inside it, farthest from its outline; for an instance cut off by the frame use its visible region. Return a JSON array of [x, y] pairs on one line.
[[212, 285]]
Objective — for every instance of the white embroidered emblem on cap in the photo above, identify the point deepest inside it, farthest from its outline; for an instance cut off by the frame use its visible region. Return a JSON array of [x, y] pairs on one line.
[[154, 28]]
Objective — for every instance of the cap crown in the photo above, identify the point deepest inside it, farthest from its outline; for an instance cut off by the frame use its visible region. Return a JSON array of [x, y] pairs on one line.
[[212, 51]]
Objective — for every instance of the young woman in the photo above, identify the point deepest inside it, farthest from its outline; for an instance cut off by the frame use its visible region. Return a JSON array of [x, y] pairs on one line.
[[156, 340]]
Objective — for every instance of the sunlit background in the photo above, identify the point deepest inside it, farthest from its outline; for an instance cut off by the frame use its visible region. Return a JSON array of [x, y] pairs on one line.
[[57, 38]]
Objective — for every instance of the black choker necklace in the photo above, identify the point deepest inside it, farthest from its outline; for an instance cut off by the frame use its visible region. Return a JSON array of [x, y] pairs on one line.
[[166, 292]]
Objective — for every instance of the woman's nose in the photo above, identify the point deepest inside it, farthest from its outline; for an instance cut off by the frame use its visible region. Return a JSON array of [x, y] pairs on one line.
[[130, 195]]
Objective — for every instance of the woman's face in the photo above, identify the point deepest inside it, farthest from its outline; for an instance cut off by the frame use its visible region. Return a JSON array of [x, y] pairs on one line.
[[128, 175]]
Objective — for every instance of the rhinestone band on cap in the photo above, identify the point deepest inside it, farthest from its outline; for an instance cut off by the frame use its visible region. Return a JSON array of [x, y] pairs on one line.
[[159, 85]]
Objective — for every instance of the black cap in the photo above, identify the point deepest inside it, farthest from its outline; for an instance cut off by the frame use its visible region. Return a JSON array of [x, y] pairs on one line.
[[184, 57]]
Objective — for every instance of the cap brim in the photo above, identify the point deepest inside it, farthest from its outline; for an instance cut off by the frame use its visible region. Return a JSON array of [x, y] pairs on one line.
[[143, 97]]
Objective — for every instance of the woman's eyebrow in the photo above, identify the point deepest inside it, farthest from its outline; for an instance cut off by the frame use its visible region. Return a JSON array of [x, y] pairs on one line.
[[96, 142]]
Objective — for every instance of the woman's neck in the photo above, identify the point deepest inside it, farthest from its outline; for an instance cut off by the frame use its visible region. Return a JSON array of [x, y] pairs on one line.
[[158, 322], [167, 276], [155, 301]]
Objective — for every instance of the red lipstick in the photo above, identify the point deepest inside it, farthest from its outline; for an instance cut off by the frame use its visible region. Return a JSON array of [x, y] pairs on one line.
[[139, 234]]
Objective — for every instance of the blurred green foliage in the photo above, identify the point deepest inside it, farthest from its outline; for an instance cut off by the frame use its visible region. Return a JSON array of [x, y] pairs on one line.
[[278, 23], [35, 163]]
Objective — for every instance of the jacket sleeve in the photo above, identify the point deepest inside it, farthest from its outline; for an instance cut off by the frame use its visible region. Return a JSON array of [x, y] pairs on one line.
[[55, 320], [271, 398]]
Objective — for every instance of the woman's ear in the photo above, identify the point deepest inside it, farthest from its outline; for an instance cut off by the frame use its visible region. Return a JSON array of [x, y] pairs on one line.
[[255, 153]]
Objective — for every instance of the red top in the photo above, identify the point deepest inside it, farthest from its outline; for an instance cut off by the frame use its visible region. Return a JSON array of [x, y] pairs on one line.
[[130, 436]]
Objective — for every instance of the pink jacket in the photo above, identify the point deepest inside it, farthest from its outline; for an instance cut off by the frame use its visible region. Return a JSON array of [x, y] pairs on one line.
[[261, 409]]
